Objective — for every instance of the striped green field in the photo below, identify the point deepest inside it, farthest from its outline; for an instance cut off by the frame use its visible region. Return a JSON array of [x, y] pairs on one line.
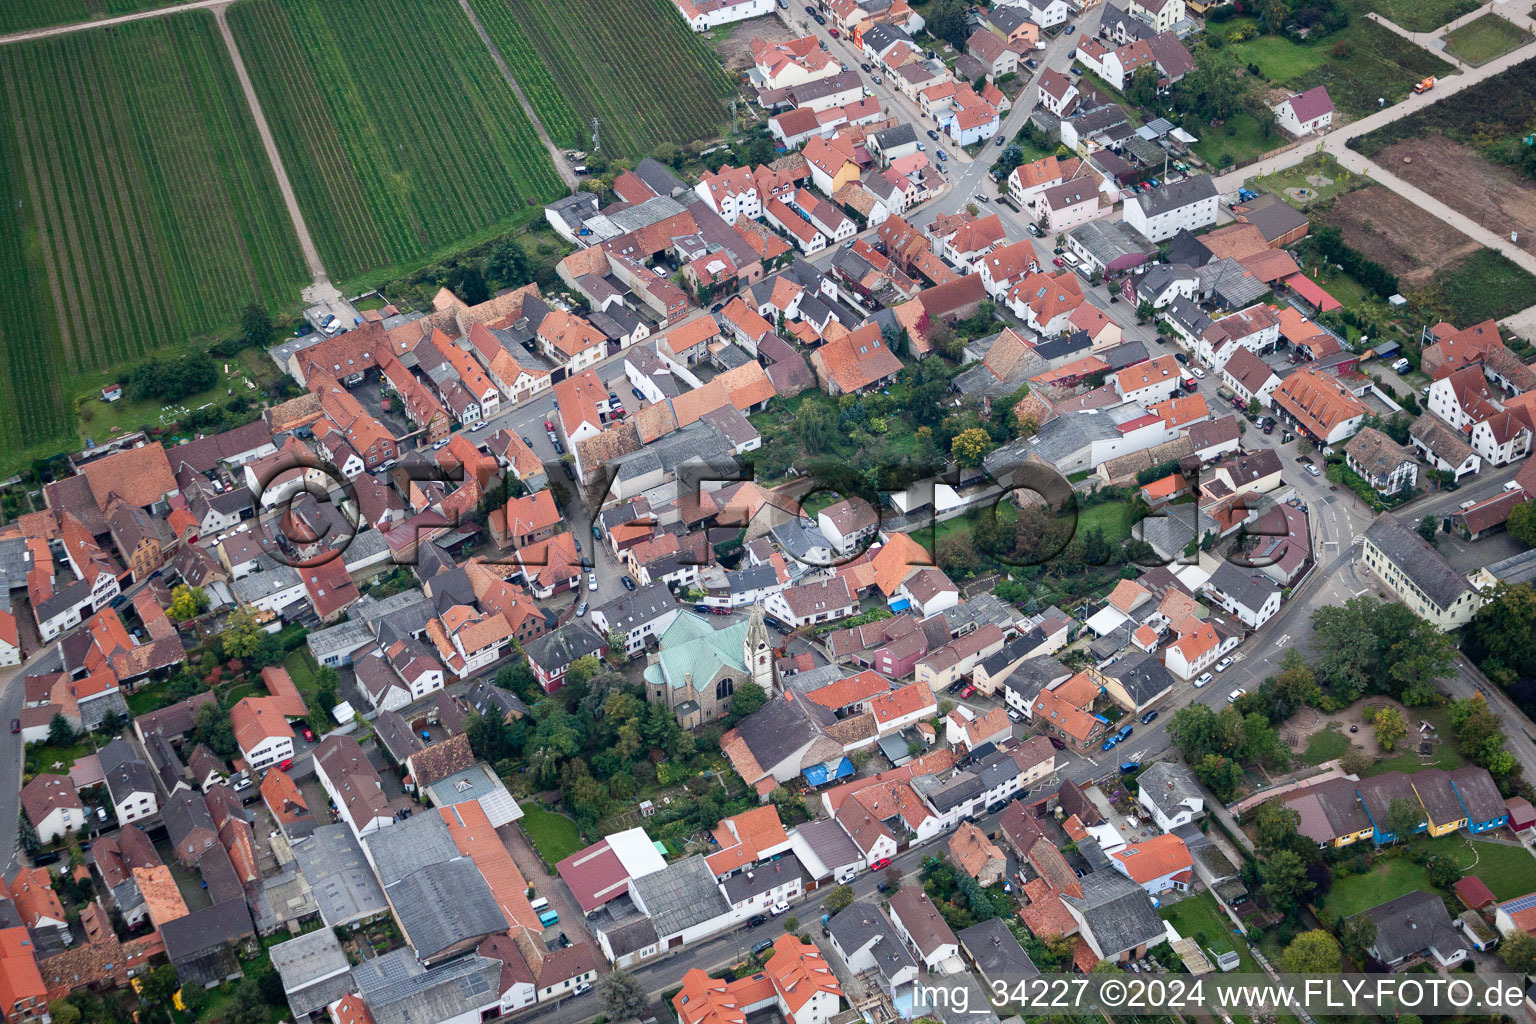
[[396, 127], [20, 15], [138, 212], [633, 64]]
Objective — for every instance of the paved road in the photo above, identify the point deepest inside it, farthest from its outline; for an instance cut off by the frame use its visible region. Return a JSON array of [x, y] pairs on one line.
[[12, 694]]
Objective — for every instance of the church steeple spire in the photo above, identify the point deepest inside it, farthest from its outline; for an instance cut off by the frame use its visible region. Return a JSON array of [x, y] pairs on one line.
[[757, 650]]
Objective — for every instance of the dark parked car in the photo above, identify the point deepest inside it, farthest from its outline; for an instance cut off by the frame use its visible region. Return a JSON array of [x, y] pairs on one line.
[[570, 474], [629, 584], [1148, 718], [762, 947], [1181, 357], [1000, 141], [528, 442], [933, 135], [883, 887], [1058, 744], [757, 919]]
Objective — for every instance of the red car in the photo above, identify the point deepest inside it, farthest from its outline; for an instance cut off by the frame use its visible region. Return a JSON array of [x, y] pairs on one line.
[[549, 425], [835, 33], [309, 735], [15, 725], [1059, 261], [968, 692], [285, 765], [881, 864]]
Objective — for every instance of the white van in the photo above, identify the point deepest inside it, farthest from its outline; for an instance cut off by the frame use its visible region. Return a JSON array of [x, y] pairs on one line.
[[539, 904], [1069, 261]]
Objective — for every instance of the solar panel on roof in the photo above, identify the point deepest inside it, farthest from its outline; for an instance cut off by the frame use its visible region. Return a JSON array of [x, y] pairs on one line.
[[1516, 905]]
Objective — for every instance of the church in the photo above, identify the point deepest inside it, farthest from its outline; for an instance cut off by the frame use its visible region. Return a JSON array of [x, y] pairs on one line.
[[697, 667]]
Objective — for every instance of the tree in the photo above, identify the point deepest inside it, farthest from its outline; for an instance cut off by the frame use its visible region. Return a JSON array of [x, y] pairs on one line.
[[1105, 967], [510, 264], [241, 634], [211, 726], [1402, 819], [1296, 683], [1285, 882], [468, 284], [1501, 638], [839, 898], [1312, 952], [1519, 952], [815, 425], [622, 994], [893, 877], [970, 446], [64, 1012], [1142, 89], [187, 602], [1221, 774], [947, 21], [1274, 825], [1390, 728], [60, 732], [1145, 311], [1356, 761], [749, 697], [1429, 528], [1356, 936], [256, 323], [1522, 523], [791, 923]]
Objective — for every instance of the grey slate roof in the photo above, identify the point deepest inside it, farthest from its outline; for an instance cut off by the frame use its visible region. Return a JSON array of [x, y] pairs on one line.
[[1422, 564], [314, 969], [444, 904], [631, 934], [1412, 923], [1168, 785], [779, 728], [399, 990], [125, 772], [635, 608], [996, 953], [1118, 912], [861, 923], [761, 878], [339, 876], [1143, 677], [681, 895], [563, 646], [1177, 195], [1250, 588]]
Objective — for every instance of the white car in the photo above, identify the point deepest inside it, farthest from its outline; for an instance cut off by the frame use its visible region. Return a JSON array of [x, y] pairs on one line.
[[1232, 697], [591, 581], [581, 987], [1467, 504], [1203, 680], [1199, 372], [781, 907], [1223, 664]]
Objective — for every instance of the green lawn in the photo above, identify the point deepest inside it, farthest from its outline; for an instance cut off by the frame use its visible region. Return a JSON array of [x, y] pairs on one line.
[[1446, 755], [1368, 62], [1386, 880], [45, 757], [1318, 165], [1113, 517], [1201, 919], [302, 666], [1485, 284], [1414, 15], [1507, 870], [1325, 746], [1279, 58], [1241, 138], [1484, 39], [554, 835], [149, 698]]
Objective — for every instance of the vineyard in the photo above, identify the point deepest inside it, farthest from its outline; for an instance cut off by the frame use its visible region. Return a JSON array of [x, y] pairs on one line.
[[632, 63], [20, 15], [396, 128], [139, 211]]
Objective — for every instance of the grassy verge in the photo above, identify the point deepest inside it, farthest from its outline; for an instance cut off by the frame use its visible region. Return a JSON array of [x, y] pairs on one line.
[[554, 835], [1485, 39]]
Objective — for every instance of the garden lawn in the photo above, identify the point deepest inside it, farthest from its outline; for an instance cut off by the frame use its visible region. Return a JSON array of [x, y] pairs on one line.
[[401, 136], [1343, 180], [1509, 871], [1325, 745], [301, 665], [1486, 284], [1246, 140], [1200, 915], [1279, 58], [632, 64], [1386, 880], [1413, 15], [1368, 62], [554, 835], [138, 214], [1484, 39], [1446, 755], [1113, 517]]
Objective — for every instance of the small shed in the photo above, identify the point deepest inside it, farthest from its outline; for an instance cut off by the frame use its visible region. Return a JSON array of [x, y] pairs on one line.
[[1521, 814], [1474, 894]]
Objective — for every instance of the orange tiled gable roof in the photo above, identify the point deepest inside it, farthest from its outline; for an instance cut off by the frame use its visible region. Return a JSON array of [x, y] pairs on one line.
[[531, 513], [699, 331], [899, 557], [1134, 378], [747, 385], [569, 334], [972, 850], [140, 476], [909, 699], [1150, 860], [1317, 400], [857, 360]]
